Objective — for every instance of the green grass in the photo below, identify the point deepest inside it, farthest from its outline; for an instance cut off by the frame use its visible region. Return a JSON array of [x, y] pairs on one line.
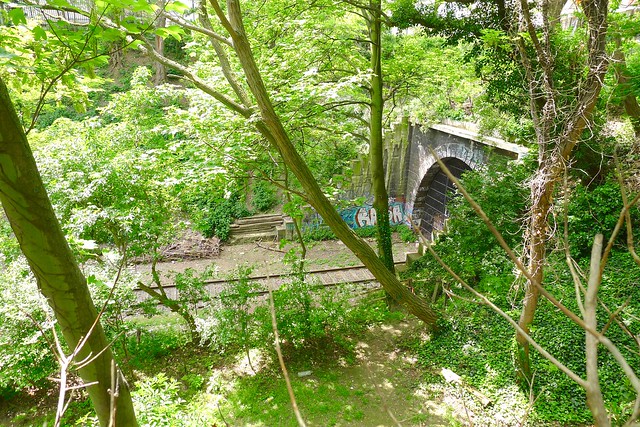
[[324, 398]]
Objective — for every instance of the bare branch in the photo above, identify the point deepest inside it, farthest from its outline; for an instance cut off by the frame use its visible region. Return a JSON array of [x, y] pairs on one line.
[[223, 18], [616, 230], [199, 83], [627, 215], [225, 65], [274, 325], [115, 389], [579, 289], [592, 387], [531, 30], [502, 314], [189, 26]]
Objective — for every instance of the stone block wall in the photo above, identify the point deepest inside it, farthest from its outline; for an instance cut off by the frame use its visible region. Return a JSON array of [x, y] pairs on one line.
[[430, 144], [410, 158]]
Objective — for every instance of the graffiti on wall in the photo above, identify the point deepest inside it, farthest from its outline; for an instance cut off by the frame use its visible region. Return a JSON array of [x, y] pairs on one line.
[[360, 216], [363, 216]]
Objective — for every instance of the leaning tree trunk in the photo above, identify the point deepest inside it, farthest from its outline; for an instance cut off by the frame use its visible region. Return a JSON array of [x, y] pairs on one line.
[[558, 129], [159, 294], [272, 129], [381, 198], [542, 194], [59, 278]]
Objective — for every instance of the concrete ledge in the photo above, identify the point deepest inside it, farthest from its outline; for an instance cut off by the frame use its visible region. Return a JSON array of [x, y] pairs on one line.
[[473, 135]]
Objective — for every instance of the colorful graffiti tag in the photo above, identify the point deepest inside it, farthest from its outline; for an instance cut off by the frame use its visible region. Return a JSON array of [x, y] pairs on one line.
[[363, 216], [360, 216]]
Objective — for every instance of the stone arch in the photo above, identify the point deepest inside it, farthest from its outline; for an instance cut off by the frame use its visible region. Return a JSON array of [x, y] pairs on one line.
[[428, 194], [435, 192]]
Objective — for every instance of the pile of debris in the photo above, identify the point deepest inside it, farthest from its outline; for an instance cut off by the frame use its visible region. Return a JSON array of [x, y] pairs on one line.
[[191, 245]]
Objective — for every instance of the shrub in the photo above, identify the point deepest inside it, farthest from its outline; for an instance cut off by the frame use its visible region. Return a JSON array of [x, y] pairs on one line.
[[232, 323], [307, 316], [311, 316], [366, 232], [405, 233], [157, 401], [264, 196], [26, 360], [596, 210], [213, 213], [318, 234]]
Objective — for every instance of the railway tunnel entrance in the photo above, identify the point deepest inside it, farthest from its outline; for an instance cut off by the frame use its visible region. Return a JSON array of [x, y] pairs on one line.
[[434, 194]]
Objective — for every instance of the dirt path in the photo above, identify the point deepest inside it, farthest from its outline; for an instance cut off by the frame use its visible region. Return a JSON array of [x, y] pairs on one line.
[[268, 258], [392, 374]]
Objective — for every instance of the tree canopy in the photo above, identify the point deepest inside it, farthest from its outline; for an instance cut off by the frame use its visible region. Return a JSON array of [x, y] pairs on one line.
[[151, 120]]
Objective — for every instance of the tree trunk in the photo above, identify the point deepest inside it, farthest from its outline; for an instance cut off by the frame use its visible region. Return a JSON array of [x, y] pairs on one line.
[[59, 278], [116, 57], [271, 128], [557, 136], [630, 102], [296, 225], [159, 70], [158, 293], [381, 198], [538, 235], [161, 297]]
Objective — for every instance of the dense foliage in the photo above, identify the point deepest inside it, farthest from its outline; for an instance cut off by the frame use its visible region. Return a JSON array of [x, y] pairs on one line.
[[481, 341], [130, 164]]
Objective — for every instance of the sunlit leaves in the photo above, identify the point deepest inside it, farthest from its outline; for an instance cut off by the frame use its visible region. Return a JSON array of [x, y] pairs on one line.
[[137, 6], [17, 16], [494, 38], [174, 31], [176, 6], [47, 64], [60, 3]]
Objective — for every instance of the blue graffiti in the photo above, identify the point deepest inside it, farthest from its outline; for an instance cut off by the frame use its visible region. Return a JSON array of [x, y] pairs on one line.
[[364, 216]]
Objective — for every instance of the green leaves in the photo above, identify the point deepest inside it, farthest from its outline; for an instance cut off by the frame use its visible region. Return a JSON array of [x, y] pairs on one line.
[[176, 6], [39, 34], [596, 210], [108, 181], [495, 38], [17, 16], [138, 6], [174, 31], [48, 65], [60, 3]]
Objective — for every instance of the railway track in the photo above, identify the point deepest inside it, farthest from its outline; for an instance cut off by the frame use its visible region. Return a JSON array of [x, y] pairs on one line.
[[323, 278]]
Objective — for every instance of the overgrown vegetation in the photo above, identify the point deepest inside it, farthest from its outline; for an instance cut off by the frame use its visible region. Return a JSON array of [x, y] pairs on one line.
[[476, 343], [325, 324], [318, 234], [129, 162]]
